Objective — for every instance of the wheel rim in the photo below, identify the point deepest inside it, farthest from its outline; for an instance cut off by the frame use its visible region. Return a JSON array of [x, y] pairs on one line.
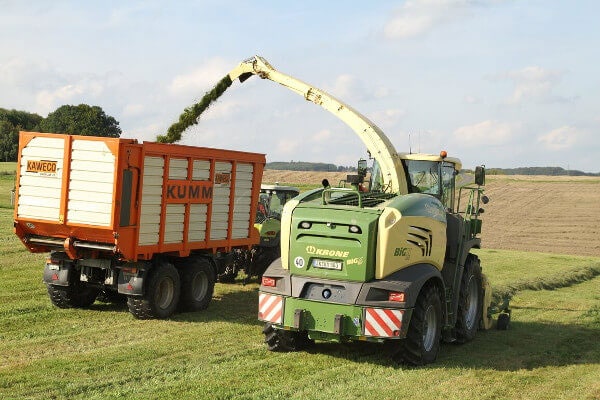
[[164, 293], [430, 328], [471, 306], [199, 286]]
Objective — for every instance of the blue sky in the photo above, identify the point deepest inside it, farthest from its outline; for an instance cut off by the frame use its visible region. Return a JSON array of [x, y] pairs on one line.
[[505, 83]]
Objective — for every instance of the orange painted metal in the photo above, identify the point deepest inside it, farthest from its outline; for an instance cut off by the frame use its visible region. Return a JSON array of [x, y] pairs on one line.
[[123, 236]]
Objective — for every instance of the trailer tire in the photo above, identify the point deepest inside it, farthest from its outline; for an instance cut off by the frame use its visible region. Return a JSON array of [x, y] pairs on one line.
[[161, 296], [111, 296], [281, 340], [422, 343], [197, 285], [74, 296], [470, 301]]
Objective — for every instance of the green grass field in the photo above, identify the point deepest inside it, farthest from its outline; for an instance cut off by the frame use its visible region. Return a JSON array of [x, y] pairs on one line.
[[552, 350]]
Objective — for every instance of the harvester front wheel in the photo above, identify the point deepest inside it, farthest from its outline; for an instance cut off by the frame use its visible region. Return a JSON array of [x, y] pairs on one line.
[[422, 343], [470, 301], [161, 295], [74, 296], [281, 340], [197, 285]]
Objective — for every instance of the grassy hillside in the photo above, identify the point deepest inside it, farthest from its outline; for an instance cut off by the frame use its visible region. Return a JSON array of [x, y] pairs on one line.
[[551, 352]]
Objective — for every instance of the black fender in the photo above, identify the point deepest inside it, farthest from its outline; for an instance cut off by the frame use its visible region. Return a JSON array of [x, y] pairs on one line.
[[131, 279], [283, 279], [408, 280], [59, 270]]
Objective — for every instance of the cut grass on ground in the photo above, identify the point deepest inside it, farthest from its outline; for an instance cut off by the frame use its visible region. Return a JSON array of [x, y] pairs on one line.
[[551, 351]]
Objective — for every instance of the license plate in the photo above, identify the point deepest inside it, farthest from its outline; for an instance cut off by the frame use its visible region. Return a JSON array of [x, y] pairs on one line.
[[327, 264]]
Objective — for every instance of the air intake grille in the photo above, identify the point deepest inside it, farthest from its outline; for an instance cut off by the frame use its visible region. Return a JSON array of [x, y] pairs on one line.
[[422, 238]]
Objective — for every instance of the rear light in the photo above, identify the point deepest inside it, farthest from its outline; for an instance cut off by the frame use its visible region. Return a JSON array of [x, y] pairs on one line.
[[396, 296], [266, 281]]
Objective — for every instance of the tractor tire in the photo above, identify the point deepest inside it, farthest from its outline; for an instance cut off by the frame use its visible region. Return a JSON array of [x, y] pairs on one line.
[[262, 259], [111, 296], [280, 340], [422, 343], [74, 296], [470, 301], [161, 296], [197, 285]]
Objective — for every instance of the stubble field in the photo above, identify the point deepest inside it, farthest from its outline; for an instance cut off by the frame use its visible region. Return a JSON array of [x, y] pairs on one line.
[[527, 213]]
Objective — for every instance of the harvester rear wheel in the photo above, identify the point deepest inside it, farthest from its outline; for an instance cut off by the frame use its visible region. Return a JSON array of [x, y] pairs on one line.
[[75, 296], [281, 340], [470, 301], [161, 295], [197, 285], [422, 343]]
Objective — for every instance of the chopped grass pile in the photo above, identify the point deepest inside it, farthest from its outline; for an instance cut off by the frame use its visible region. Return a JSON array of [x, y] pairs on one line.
[[191, 114]]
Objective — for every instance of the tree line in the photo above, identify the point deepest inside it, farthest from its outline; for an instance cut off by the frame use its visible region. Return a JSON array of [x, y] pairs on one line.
[[82, 119], [308, 166]]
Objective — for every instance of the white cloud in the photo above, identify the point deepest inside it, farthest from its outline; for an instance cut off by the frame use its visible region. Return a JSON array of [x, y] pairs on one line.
[[287, 147], [48, 100], [321, 136], [132, 110], [386, 119], [534, 83], [485, 133], [417, 17], [559, 139], [202, 78], [472, 99], [348, 88]]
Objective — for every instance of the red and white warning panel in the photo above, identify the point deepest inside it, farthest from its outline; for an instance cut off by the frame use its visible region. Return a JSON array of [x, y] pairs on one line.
[[382, 322], [270, 308]]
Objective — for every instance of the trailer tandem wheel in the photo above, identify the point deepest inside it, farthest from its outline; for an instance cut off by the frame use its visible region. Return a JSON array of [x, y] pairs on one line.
[[161, 296], [197, 284], [74, 296]]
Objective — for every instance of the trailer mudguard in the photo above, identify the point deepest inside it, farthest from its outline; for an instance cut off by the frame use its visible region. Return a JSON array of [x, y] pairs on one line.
[[409, 281], [58, 274], [131, 282]]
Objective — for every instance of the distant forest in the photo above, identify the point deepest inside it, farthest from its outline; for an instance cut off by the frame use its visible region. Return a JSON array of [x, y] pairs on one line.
[[312, 166], [307, 166]]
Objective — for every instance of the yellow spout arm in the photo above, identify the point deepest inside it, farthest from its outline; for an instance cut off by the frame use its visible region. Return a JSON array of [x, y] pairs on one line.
[[372, 136]]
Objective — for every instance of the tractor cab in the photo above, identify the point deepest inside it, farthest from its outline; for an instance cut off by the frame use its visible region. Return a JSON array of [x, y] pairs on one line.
[[272, 199]]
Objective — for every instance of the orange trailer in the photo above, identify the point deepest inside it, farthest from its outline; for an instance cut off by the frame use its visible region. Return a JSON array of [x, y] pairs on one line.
[[151, 221]]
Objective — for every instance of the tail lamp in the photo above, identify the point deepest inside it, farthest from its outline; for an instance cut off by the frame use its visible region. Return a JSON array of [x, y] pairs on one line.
[[268, 281], [396, 296]]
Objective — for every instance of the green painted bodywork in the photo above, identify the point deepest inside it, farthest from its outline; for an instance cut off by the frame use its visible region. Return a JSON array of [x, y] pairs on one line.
[[419, 205], [329, 238]]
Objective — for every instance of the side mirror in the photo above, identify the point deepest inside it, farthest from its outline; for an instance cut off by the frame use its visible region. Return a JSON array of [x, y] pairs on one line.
[[480, 175]]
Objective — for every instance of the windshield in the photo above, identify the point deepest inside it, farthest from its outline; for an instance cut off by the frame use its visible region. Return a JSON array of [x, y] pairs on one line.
[[424, 177]]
